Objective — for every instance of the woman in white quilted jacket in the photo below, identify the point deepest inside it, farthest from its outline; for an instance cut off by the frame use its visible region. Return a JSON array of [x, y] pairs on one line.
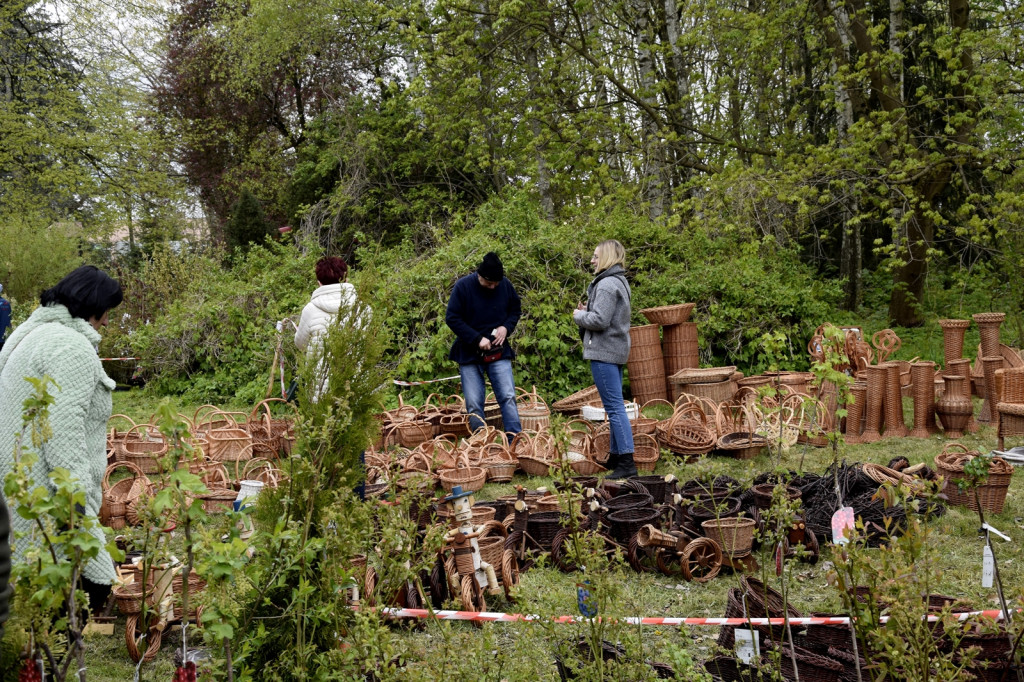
[[332, 295]]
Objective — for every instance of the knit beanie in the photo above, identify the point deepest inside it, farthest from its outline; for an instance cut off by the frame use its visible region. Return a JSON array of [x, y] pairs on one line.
[[490, 268]]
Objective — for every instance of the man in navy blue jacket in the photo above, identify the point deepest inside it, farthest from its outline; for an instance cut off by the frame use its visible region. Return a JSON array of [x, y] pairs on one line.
[[483, 311]]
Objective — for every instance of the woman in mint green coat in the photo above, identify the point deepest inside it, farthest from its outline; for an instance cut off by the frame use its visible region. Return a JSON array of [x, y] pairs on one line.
[[60, 340]]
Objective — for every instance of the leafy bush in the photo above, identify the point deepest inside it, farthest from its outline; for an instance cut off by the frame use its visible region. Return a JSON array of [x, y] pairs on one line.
[[216, 338], [738, 284]]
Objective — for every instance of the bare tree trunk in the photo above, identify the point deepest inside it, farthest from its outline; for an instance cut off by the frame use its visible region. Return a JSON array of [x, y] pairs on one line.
[[655, 180], [547, 203]]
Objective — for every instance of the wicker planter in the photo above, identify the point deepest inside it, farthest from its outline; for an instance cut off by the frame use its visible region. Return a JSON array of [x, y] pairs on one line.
[[734, 535]]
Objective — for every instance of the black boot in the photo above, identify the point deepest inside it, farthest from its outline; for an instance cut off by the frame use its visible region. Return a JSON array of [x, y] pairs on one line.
[[613, 461], [625, 467]]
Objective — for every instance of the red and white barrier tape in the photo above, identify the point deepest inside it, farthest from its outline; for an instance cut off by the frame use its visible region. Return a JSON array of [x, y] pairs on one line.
[[113, 359], [399, 382], [492, 617]]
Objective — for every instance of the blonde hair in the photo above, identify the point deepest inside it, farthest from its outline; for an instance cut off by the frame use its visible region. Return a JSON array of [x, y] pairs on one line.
[[610, 252]]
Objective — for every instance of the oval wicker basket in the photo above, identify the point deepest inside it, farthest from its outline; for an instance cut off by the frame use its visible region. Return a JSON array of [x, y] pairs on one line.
[[268, 430], [534, 466], [117, 497], [143, 449], [229, 444], [470, 478]]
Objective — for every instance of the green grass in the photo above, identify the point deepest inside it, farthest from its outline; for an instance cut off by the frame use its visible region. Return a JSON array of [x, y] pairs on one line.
[[524, 651]]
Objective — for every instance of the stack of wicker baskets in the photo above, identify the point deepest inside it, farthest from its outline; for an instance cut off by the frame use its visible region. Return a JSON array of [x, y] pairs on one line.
[[646, 364], [679, 337], [687, 433]]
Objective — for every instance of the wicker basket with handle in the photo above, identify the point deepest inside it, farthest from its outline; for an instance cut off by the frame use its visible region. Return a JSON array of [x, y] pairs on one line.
[[646, 452], [145, 451], [268, 430], [534, 414], [117, 497]]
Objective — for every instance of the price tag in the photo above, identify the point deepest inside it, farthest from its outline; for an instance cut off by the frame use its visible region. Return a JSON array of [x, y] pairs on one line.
[[747, 645], [842, 525], [988, 567]]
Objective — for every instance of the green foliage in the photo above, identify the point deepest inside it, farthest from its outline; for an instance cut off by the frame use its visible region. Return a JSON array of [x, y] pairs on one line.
[[737, 285], [896, 580], [215, 338], [47, 583], [34, 256], [248, 224]]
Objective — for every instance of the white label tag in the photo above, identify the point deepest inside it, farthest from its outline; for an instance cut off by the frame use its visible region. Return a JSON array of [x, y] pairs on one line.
[[988, 567], [842, 524], [747, 645]]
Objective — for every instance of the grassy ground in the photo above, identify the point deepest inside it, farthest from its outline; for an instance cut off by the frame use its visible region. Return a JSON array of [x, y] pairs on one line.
[[523, 651]]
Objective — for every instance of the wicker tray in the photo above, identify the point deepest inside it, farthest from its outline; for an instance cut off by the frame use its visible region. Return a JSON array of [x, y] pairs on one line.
[[706, 375], [571, 404]]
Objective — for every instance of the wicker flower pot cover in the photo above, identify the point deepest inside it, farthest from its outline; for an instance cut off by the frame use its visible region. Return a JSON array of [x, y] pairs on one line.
[[734, 535]]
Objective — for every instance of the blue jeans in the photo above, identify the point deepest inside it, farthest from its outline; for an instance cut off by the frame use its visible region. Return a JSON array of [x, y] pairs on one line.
[[608, 379], [504, 385]]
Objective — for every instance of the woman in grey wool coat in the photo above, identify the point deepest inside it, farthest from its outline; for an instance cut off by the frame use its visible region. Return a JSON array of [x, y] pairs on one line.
[[604, 321]]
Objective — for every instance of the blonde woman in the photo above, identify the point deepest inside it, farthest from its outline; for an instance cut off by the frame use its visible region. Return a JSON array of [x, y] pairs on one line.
[[604, 320]]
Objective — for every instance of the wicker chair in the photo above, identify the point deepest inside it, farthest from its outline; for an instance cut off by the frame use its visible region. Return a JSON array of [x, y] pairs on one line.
[[1010, 405]]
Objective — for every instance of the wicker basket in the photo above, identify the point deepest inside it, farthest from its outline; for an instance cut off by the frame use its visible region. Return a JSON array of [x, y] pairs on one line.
[[586, 467], [716, 392], [646, 364], [470, 478], [500, 471], [533, 466], [534, 414], [687, 432], [646, 452], [669, 314], [742, 444], [624, 523], [219, 501], [267, 430], [229, 444], [991, 495], [734, 535], [117, 497], [679, 346], [543, 526], [143, 449], [570, 405], [706, 375]]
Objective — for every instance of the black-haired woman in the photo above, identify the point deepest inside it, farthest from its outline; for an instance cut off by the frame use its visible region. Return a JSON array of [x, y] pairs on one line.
[[59, 340]]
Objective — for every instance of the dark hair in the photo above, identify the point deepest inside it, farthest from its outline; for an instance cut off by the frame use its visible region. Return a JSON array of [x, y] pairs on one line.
[[87, 292], [331, 270]]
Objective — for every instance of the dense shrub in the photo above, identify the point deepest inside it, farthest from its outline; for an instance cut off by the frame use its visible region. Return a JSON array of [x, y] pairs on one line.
[[215, 339], [742, 287]]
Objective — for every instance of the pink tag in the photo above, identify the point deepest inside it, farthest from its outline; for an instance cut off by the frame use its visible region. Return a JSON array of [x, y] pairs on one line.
[[842, 524]]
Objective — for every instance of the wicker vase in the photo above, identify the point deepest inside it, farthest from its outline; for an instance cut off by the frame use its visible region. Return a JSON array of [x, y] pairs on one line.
[[988, 329], [989, 365], [923, 380], [953, 408], [873, 404], [953, 338], [895, 424], [855, 412], [962, 367]]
